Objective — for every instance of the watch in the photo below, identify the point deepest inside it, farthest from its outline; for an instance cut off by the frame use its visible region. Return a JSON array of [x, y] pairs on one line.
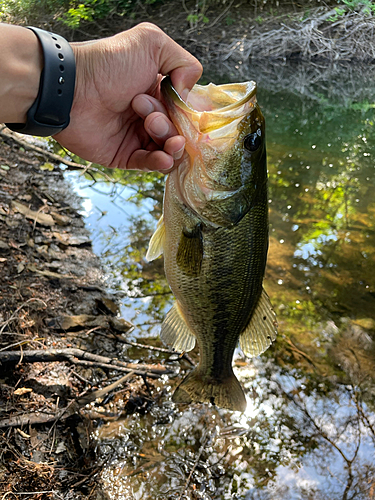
[[50, 111]]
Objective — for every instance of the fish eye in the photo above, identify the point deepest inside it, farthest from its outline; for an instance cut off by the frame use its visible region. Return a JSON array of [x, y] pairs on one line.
[[252, 142]]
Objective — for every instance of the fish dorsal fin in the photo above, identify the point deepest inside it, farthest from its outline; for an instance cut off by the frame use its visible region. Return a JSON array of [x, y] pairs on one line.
[[175, 332], [261, 330], [156, 245], [190, 251]]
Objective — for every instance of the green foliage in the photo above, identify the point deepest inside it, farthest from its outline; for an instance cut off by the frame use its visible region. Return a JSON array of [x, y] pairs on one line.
[[28, 11], [95, 10], [365, 6], [198, 15], [368, 6], [196, 18], [71, 13]]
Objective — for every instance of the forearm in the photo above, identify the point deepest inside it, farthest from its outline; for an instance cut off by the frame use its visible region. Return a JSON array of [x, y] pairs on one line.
[[21, 63]]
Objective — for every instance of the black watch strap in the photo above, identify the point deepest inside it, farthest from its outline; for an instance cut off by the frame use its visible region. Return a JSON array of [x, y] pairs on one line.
[[49, 113]]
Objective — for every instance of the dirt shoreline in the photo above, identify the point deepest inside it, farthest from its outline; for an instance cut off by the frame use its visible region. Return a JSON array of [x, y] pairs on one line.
[[61, 338]]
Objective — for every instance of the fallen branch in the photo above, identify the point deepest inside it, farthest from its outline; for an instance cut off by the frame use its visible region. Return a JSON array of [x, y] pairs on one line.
[[55, 158], [93, 396], [64, 413], [315, 37], [80, 357], [121, 339], [52, 156], [27, 419]]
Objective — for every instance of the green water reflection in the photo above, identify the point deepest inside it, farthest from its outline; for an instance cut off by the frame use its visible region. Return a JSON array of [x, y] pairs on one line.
[[309, 431]]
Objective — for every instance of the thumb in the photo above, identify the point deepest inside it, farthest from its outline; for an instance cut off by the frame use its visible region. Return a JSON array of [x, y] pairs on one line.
[[183, 68]]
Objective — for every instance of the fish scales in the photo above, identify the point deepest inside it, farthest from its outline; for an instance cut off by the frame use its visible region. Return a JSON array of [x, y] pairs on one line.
[[214, 236]]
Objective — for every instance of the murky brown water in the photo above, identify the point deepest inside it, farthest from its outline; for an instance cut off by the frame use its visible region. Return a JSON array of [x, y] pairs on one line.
[[309, 430]]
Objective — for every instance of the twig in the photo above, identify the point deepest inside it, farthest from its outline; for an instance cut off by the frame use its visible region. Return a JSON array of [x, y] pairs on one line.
[[26, 493], [80, 357], [42, 151], [322, 433], [92, 396], [14, 317], [295, 349], [82, 481], [55, 157], [220, 16], [194, 467], [150, 347], [73, 407]]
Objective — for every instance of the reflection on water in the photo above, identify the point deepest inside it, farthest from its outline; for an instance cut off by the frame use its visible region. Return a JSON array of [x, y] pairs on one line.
[[309, 430]]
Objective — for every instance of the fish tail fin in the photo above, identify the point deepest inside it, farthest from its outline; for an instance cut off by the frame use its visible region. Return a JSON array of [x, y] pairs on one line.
[[198, 388]]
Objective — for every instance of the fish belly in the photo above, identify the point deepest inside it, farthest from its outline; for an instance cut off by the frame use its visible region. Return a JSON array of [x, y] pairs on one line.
[[217, 302]]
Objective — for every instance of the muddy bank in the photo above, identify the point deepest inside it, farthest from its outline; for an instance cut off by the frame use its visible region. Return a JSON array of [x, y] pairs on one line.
[[63, 362]]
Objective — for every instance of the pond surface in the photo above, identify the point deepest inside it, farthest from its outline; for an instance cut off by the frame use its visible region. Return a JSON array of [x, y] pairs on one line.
[[309, 429]]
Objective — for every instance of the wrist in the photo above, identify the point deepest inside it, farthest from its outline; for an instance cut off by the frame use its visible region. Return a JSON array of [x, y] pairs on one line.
[[21, 67], [50, 111]]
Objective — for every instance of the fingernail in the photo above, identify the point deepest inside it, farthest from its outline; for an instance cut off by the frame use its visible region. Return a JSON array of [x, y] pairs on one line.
[[145, 107], [177, 155], [159, 127], [167, 168], [184, 94]]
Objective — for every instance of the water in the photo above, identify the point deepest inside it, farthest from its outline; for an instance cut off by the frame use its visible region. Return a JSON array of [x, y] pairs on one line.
[[309, 429]]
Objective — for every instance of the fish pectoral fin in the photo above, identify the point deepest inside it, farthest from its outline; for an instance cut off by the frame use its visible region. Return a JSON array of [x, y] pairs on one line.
[[157, 241], [261, 330], [190, 251], [175, 331]]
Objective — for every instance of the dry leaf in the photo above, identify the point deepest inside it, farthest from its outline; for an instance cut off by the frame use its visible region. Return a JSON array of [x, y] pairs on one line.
[[89, 321], [73, 240], [49, 274], [22, 390], [82, 320], [3, 245], [23, 434], [61, 220], [20, 267], [41, 218]]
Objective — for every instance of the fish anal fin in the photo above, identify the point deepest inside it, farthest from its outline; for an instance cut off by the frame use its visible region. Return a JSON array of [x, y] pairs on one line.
[[157, 241], [261, 330], [198, 388], [190, 251], [175, 331]]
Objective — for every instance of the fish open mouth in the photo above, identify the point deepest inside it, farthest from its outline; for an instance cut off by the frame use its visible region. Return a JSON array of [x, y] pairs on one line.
[[212, 108]]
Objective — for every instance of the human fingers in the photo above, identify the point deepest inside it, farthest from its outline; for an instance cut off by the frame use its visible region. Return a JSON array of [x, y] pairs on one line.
[[159, 128], [175, 147], [157, 124], [171, 59], [150, 161], [183, 68], [144, 104]]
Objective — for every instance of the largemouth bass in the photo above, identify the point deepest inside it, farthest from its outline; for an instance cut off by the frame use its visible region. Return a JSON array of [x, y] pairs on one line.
[[214, 237]]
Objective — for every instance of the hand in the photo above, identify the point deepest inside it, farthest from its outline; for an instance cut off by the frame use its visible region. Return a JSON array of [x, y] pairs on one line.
[[117, 118]]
